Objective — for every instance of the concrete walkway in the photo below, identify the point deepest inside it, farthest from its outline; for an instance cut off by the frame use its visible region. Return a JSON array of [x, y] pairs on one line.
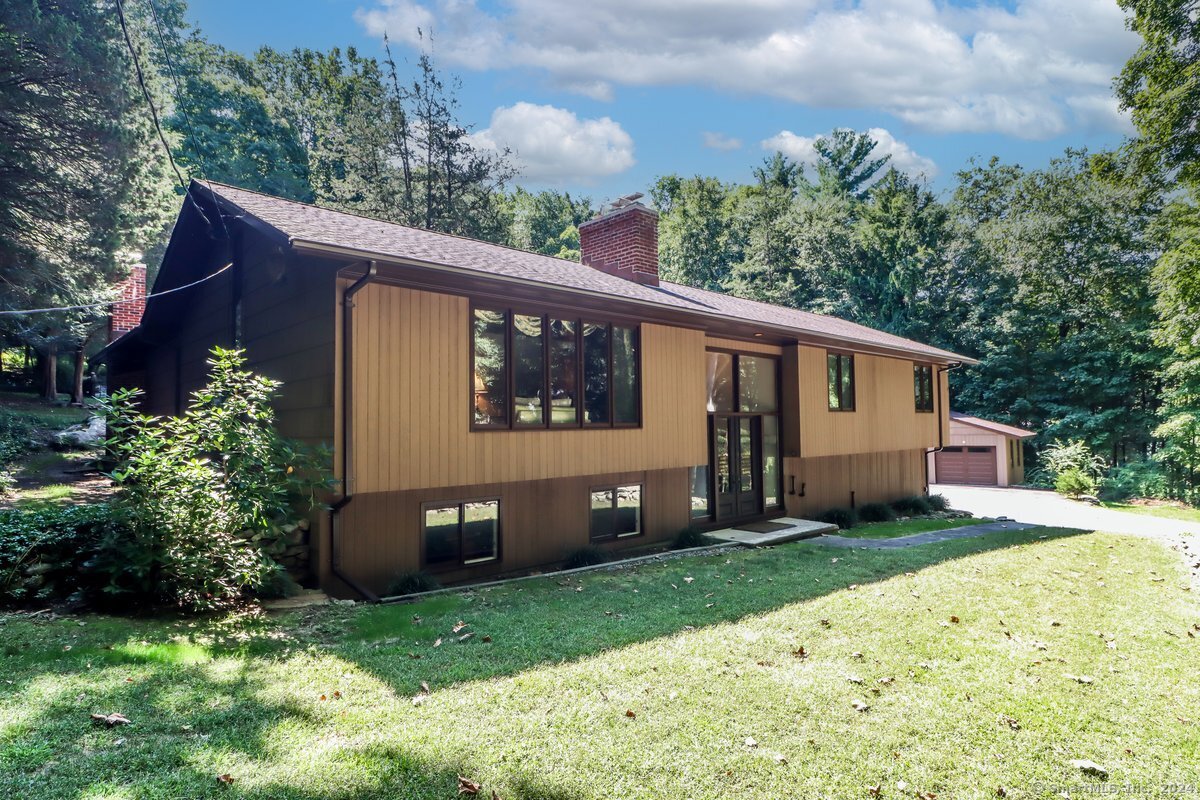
[[965, 532]]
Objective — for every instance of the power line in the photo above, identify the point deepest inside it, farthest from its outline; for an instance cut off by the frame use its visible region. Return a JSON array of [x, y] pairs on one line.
[[88, 306]]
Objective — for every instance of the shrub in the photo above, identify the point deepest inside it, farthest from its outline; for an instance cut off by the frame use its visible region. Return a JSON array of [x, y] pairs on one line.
[[690, 537], [937, 502], [1135, 479], [585, 557], [1074, 482], [914, 506], [51, 553], [1062, 457], [207, 494], [876, 512], [842, 517], [412, 582]]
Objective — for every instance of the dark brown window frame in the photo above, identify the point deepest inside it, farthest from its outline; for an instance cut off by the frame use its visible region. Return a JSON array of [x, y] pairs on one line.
[[853, 381], [613, 487], [510, 423], [460, 564], [922, 385]]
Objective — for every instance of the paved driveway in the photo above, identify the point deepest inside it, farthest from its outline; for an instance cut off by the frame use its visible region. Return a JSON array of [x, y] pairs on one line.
[[1048, 508]]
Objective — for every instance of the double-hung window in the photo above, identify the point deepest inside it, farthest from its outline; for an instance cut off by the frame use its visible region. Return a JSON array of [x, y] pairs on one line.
[[546, 370], [841, 381]]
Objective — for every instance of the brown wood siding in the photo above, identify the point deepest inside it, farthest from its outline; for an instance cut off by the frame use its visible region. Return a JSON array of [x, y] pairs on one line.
[[541, 522], [828, 482], [411, 353], [884, 419]]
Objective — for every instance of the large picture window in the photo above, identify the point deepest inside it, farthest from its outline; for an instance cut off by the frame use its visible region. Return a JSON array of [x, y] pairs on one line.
[[532, 370], [616, 512], [923, 387], [841, 381], [461, 534]]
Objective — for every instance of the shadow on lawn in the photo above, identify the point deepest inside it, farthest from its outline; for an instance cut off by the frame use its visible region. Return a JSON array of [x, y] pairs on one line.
[[191, 715]]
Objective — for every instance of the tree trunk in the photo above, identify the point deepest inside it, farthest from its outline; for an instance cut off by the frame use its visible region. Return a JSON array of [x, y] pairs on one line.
[[49, 361], [77, 384]]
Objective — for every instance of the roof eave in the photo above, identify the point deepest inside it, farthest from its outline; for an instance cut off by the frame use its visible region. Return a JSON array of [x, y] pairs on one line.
[[322, 248]]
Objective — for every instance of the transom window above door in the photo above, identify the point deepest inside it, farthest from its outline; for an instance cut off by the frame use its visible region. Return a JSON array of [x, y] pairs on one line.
[[545, 370], [740, 382]]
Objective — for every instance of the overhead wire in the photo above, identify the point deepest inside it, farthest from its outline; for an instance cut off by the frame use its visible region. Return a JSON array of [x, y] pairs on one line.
[[87, 306]]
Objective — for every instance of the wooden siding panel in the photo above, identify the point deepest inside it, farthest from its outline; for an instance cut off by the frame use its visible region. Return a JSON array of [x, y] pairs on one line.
[[827, 482], [411, 404]]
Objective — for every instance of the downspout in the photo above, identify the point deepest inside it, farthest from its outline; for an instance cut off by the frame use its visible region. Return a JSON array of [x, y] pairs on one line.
[[941, 440], [335, 527]]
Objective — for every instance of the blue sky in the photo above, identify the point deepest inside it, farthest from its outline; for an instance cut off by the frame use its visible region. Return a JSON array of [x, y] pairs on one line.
[[602, 97]]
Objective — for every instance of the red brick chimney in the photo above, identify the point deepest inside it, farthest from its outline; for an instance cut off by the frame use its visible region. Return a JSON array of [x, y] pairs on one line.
[[623, 241], [126, 315]]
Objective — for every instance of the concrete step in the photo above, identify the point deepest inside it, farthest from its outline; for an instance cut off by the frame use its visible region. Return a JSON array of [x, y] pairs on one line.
[[797, 529]]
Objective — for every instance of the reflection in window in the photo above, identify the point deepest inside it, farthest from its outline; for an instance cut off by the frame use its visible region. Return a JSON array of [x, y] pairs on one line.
[[923, 387], [841, 382], [772, 463], [719, 375], [616, 512], [625, 375], [491, 389], [564, 372], [529, 370], [595, 374], [756, 384], [461, 534], [698, 477]]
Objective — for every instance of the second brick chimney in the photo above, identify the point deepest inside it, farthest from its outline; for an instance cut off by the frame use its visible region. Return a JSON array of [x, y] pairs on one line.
[[127, 315], [623, 241]]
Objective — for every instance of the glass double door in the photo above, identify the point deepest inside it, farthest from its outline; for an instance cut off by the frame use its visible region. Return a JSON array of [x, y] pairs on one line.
[[736, 452]]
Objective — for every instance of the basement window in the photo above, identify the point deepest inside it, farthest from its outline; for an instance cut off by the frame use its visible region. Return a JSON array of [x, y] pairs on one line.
[[923, 387], [616, 512], [461, 534], [841, 381]]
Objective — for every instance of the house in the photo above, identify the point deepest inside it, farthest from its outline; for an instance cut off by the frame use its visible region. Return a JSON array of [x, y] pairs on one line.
[[492, 410], [980, 452]]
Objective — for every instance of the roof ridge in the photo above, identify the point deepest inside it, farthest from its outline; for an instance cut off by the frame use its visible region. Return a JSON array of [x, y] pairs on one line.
[[368, 218]]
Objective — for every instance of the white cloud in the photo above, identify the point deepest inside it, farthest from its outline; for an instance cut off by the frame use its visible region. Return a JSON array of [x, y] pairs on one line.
[[903, 157], [720, 141], [1033, 69], [553, 146]]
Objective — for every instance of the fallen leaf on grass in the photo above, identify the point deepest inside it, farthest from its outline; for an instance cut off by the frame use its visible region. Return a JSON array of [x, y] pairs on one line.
[[1012, 723], [465, 636], [856, 655], [1085, 679], [629, 713], [458, 626], [875, 791], [780, 758], [1089, 768], [486, 639], [750, 742], [855, 680], [112, 719], [954, 619], [886, 680], [860, 706], [800, 652], [688, 579], [468, 786], [226, 779], [438, 642]]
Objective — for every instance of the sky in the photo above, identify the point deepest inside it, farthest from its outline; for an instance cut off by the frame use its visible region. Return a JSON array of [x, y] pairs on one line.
[[601, 97]]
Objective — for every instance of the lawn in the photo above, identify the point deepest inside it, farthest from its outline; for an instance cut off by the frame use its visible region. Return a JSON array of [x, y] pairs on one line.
[[905, 527], [1166, 510], [986, 663]]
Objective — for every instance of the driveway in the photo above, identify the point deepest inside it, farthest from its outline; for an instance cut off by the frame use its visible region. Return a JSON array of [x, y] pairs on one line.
[[1048, 508]]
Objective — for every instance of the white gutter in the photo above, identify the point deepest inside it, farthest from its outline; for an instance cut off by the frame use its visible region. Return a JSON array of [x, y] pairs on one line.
[[836, 339]]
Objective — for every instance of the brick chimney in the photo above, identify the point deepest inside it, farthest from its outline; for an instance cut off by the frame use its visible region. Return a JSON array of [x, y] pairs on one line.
[[126, 315], [623, 241]]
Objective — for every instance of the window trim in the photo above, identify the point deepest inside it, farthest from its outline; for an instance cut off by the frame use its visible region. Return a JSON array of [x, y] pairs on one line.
[[511, 310], [613, 487], [457, 565], [840, 408], [918, 378]]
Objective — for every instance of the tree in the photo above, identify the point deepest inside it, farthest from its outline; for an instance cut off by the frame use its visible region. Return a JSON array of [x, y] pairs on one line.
[[547, 222], [844, 162], [698, 243]]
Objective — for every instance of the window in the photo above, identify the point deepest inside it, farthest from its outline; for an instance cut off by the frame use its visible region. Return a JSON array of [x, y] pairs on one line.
[[772, 464], [536, 371], [719, 375], [698, 478], [461, 534], [757, 391], [841, 382], [616, 512], [923, 387]]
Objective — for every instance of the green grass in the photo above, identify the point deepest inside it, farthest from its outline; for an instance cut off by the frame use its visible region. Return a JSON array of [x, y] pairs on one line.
[[41, 413], [905, 527], [319, 704], [53, 495], [1185, 513]]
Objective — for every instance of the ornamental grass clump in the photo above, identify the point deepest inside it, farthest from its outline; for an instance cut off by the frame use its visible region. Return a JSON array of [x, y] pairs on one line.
[[210, 497]]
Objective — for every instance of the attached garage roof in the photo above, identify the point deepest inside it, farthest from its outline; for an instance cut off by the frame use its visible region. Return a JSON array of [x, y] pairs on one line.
[[988, 425], [308, 226]]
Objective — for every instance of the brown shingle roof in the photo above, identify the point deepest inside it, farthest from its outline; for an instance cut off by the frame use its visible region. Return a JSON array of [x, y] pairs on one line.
[[371, 237], [994, 427]]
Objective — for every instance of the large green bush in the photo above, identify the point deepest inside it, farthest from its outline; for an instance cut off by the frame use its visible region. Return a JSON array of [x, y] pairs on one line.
[[1074, 482], [53, 553], [1136, 479], [210, 496]]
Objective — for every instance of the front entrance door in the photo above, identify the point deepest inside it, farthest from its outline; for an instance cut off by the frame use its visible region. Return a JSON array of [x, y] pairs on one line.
[[737, 466]]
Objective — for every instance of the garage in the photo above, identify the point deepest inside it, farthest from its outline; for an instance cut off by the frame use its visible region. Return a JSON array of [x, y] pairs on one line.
[[974, 466]]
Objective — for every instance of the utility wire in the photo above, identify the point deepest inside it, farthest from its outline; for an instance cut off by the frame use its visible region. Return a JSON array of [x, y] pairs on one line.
[[87, 306]]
